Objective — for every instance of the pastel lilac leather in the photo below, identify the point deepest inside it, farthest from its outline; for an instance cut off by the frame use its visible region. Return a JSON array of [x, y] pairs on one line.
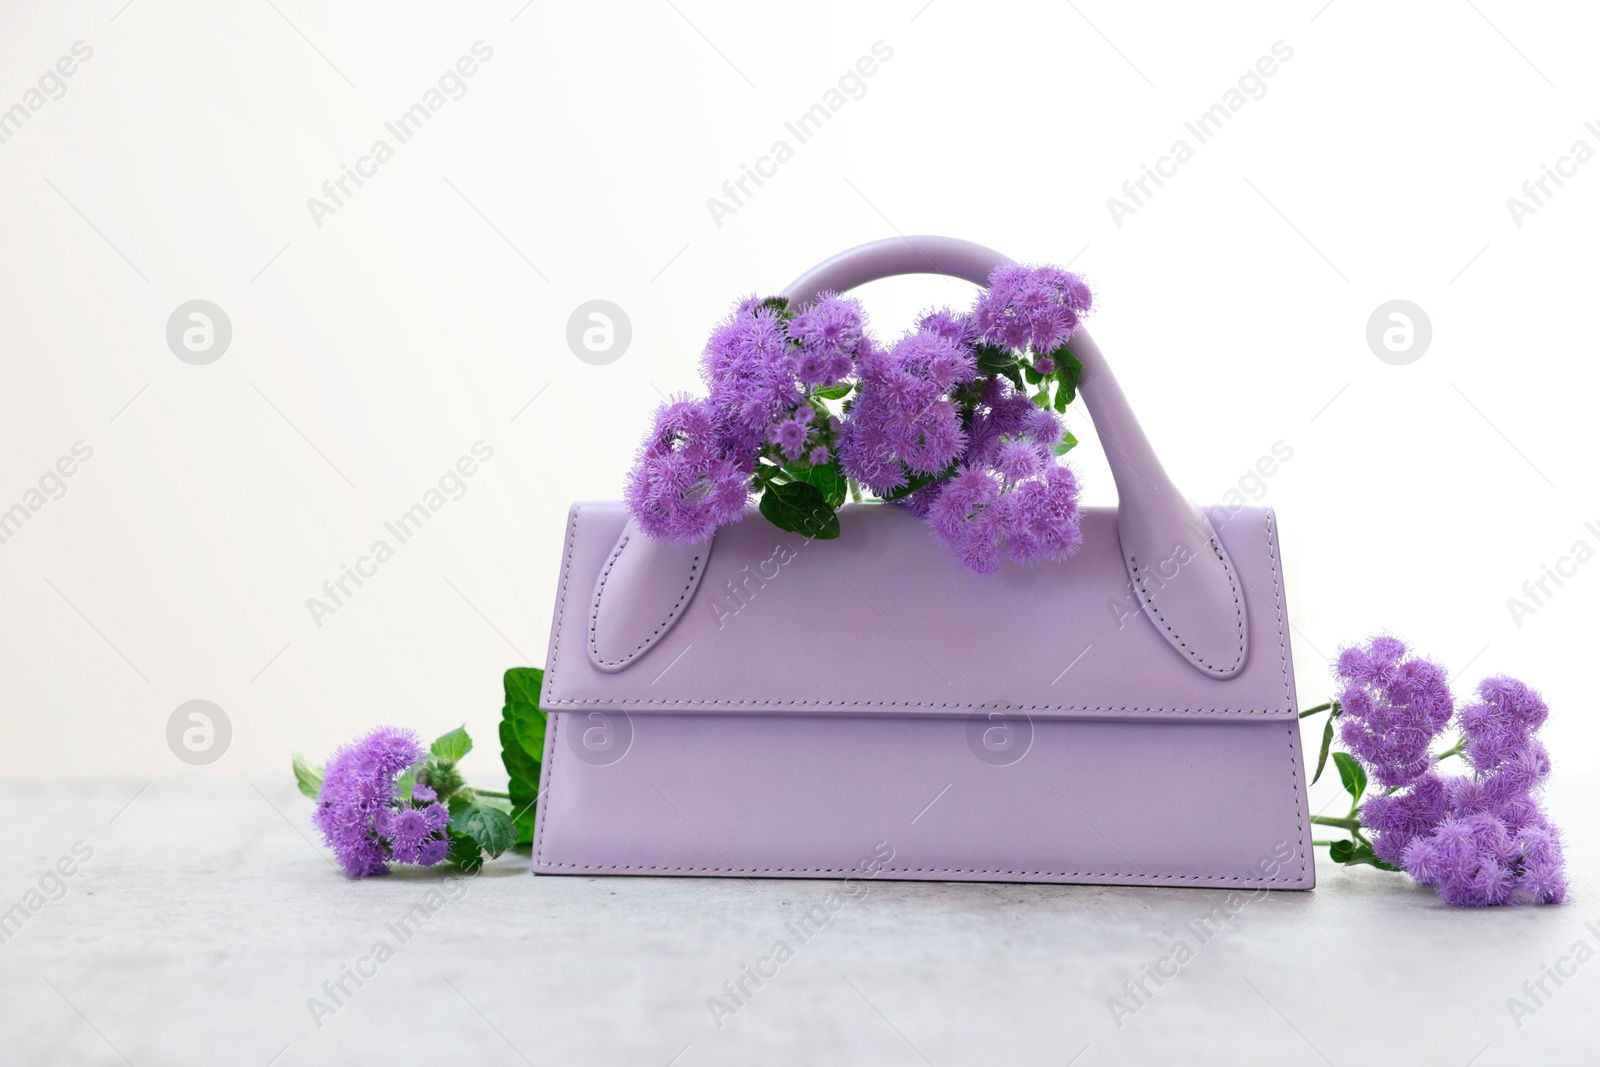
[[766, 705]]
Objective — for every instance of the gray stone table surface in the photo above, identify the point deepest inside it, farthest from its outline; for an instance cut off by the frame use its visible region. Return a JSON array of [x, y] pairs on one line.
[[205, 918]]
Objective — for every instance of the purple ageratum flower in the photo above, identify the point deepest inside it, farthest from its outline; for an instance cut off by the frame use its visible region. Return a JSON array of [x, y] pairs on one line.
[[1480, 841], [1014, 499], [1393, 708], [828, 334], [790, 436], [1403, 817], [684, 483], [984, 513], [1037, 307], [903, 418], [415, 829], [358, 787], [1499, 728], [1482, 860], [750, 366], [1468, 860]]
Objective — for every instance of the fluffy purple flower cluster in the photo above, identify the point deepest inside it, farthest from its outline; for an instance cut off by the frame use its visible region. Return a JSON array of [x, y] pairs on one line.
[[686, 482], [1482, 839], [925, 426], [363, 819], [1010, 495], [1393, 706], [1031, 307], [693, 472], [903, 420]]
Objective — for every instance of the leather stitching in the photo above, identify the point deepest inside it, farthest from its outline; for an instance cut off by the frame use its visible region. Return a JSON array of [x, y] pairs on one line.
[[1296, 774], [624, 703], [1238, 611], [561, 604], [666, 623]]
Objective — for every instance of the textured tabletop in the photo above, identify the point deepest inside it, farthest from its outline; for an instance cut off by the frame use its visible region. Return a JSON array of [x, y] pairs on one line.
[[201, 924]]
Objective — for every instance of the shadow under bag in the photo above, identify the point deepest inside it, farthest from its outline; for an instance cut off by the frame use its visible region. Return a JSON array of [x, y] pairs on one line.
[[764, 705]]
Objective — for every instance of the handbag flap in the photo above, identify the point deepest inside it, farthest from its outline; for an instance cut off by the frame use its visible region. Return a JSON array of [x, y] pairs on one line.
[[884, 621]]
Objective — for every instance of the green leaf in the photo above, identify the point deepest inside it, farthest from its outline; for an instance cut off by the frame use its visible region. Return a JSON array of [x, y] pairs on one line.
[[1067, 443], [441, 776], [799, 507], [465, 852], [522, 732], [1068, 371], [1322, 756], [828, 479], [492, 829], [1033, 377], [453, 745], [835, 392], [1352, 775], [407, 781], [1353, 854], [918, 481], [523, 685], [307, 776], [992, 359], [780, 304]]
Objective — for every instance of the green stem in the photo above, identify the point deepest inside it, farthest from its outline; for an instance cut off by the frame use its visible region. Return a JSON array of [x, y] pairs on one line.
[[1353, 825], [1318, 709], [491, 793], [1454, 750]]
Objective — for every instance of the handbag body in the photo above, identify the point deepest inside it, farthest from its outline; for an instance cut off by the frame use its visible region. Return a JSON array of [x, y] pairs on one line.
[[763, 705]]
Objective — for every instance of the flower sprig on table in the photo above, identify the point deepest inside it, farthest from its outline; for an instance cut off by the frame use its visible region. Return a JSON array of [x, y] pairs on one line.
[[958, 421], [1480, 839], [386, 798]]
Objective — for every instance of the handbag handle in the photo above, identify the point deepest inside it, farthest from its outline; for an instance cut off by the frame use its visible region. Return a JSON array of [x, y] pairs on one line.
[[1178, 569], [1198, 607]]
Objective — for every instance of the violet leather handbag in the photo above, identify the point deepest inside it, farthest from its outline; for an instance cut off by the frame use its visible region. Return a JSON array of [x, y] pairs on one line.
[[761, 705]]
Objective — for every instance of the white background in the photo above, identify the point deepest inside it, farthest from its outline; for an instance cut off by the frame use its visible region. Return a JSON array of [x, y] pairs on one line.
[[368, 354]]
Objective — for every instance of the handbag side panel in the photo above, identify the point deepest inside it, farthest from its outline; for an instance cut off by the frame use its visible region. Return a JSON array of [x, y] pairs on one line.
[[802, 796]]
